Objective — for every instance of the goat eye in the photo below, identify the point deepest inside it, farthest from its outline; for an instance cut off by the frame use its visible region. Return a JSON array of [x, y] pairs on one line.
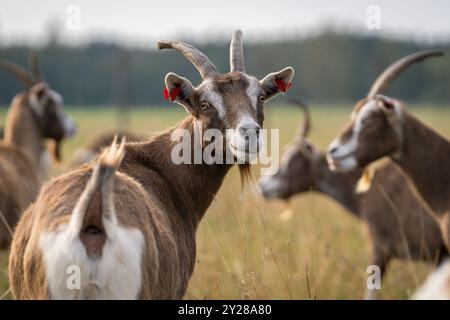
[[388, 105], [262, 99], [204, 105]]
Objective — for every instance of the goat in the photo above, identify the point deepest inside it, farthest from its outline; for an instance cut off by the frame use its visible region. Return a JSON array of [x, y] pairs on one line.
[[35, 115], [92, 149], [382, 126], [399, 227], [131, 232]]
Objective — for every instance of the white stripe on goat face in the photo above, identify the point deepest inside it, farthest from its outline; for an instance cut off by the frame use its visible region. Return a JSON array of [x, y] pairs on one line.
[[211, 96], [345, 148], [253, 91], [67, 122]]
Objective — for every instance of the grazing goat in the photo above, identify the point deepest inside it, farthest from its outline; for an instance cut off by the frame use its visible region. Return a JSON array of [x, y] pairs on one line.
[[131, 232], [399, 227], [93, 148], [35, 115], [382, 126]]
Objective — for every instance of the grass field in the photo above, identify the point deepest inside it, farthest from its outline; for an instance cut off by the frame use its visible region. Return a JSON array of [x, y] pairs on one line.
[[244, 249]]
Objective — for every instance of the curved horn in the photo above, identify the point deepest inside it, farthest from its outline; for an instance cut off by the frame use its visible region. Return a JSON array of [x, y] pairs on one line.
[[195, 56], [18, 71], [396, 68], [237, 52], [34, 66], [303, 131]]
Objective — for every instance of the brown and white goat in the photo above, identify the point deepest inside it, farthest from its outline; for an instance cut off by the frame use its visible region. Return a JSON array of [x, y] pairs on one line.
[[93, 148], [382, 126], [399, 227], [132, 232], [35, 115]]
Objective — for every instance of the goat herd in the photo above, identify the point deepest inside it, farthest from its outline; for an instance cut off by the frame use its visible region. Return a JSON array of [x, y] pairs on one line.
[[127, 218]]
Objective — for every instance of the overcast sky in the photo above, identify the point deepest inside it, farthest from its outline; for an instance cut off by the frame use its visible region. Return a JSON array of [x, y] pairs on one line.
[[139, 22]]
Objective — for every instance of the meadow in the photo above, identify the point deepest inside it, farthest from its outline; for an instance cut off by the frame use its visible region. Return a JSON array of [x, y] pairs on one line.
[[245, 251]]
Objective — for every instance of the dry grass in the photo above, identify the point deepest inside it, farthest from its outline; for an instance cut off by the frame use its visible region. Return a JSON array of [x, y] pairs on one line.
[[246, 251]]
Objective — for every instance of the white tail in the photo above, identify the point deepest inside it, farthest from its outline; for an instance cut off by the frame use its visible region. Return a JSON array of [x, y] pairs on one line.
[[107, 164]]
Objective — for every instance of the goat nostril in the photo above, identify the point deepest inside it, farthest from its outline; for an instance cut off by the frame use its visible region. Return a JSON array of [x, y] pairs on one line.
[[250, 129], [258, 129], [333, 150]]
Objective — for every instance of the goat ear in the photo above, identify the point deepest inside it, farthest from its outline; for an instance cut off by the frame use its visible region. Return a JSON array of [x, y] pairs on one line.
[[277, 82], [387, 103], [180, 90], [37, 96]]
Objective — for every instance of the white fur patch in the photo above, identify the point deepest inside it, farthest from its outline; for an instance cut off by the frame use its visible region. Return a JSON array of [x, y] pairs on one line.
[[350, 146], [437, 286], [236, 141], [253, 91], [56, 97], [67, 122], [343, 157], [212, 97], [270, 185], [116, 274]]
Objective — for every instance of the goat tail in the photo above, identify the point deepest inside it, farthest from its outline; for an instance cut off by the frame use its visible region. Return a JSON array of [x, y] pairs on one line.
[[101, 181]]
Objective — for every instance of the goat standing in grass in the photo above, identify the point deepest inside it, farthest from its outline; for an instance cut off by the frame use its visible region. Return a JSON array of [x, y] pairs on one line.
[[382, 126], [35, 115], [129, 226], [398, 224]]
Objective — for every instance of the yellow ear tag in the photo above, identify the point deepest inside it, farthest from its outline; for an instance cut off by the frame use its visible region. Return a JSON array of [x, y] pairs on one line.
[[365, 182], [287, 213]]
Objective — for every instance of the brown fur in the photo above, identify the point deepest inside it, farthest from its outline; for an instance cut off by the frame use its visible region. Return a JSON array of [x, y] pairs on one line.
[[427, 170], [403, 137], [167, 201], [163, 200], [20, 175], [398, 224], [35, 115]]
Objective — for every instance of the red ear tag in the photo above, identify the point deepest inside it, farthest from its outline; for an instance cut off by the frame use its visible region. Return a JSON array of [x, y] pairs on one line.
[[174, 93], [282, 86], [166, 93]]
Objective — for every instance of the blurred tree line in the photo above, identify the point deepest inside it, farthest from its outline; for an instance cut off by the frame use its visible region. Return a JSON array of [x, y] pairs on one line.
[[330, 68]]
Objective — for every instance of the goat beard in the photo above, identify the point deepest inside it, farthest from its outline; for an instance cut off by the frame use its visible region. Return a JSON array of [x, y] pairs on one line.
[[55, 148], [245, 173]]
